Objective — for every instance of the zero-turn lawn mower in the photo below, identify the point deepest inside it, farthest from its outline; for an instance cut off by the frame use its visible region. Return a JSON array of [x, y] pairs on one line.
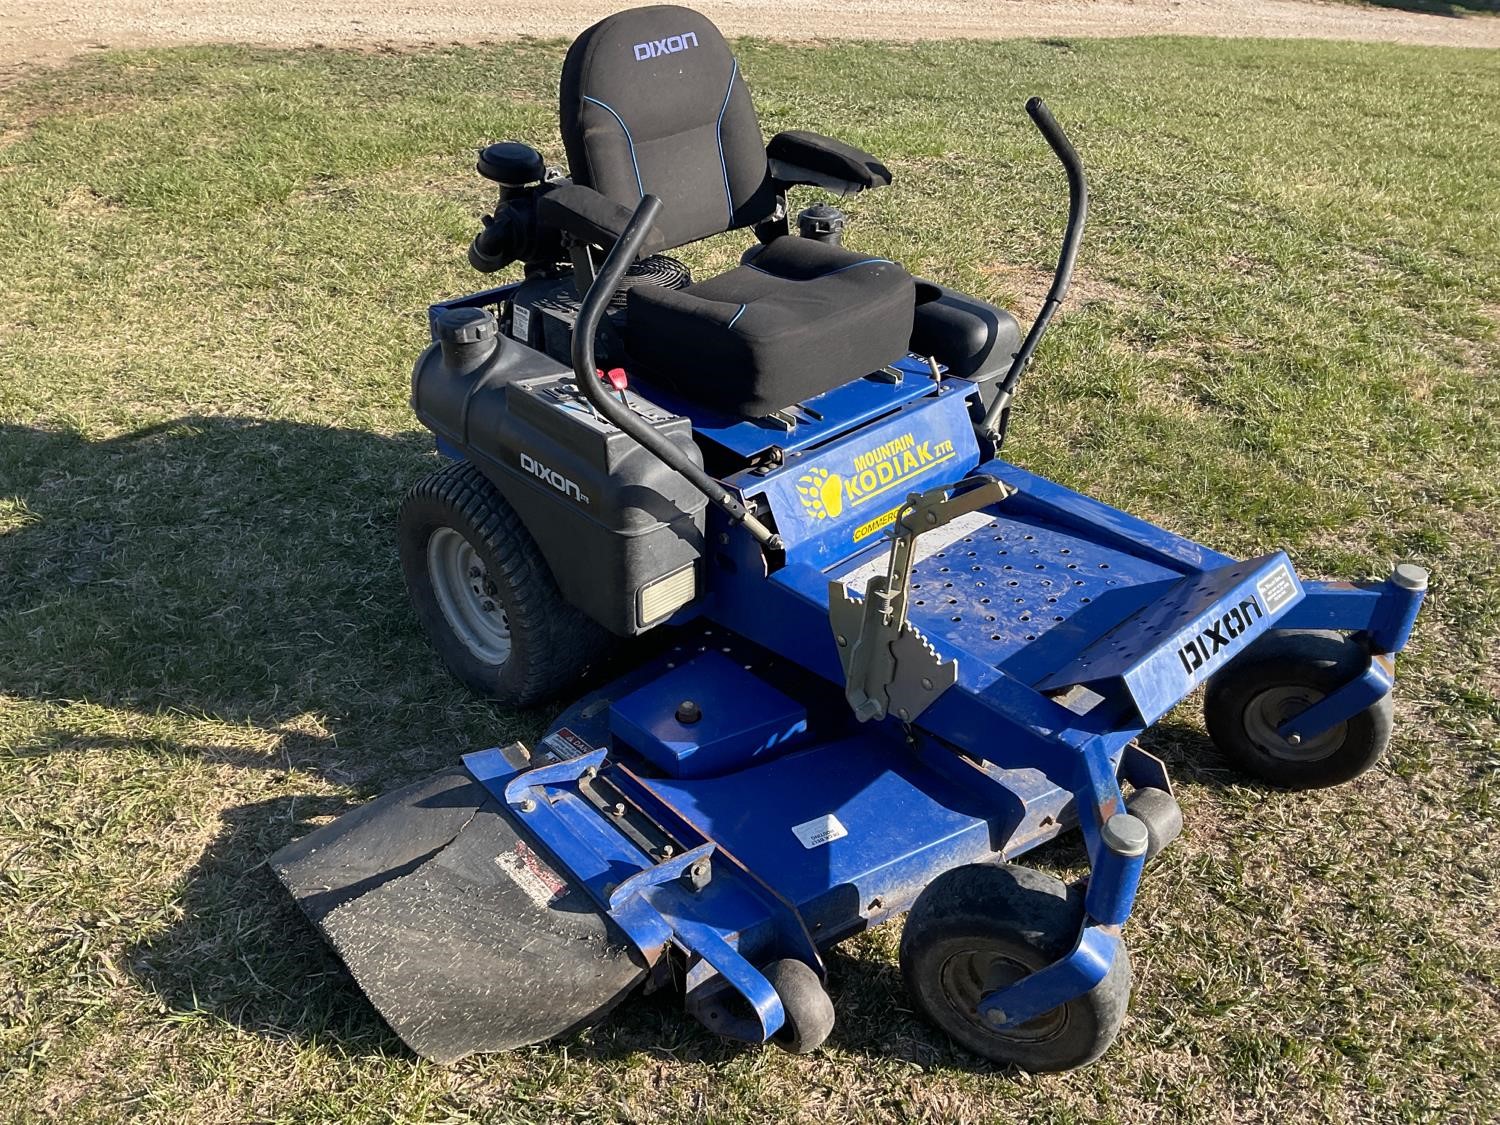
[[895, 662]]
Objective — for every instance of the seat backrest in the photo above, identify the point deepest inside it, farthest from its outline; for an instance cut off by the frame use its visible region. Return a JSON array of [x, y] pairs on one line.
[[653, 101]]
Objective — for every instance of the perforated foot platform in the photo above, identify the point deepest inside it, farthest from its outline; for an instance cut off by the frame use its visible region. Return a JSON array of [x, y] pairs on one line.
[[1054, 609], [1164, 648]]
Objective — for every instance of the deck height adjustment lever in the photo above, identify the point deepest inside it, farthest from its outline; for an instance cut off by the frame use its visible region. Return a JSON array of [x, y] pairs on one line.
[[889, 666]]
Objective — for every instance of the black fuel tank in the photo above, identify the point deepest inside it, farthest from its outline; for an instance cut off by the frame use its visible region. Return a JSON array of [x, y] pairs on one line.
[[621, 531]]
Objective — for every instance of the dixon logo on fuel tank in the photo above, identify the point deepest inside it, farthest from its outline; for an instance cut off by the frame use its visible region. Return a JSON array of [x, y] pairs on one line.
[[531, 465]]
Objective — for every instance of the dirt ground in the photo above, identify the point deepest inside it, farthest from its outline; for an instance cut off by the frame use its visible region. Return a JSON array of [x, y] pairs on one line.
[[45, 31]]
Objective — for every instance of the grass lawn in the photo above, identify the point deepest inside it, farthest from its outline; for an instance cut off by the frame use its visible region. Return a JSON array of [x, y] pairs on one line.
[[215, 270]]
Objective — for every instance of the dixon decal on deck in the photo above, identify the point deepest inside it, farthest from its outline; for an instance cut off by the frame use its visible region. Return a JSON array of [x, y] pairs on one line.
[[1203, 648]]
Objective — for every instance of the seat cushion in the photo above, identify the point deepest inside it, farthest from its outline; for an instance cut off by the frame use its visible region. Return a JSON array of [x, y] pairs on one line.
[[797, 319]]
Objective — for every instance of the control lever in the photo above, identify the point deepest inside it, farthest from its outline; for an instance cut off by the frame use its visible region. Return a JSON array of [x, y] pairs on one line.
[[595, 301], [992, 428]]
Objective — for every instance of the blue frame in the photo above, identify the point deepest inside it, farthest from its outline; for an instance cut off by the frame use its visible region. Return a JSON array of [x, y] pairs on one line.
[[783, 803]]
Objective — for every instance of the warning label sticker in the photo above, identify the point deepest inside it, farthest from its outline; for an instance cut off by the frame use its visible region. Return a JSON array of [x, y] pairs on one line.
[[538, 881], [820, 830], [562, 745], [1276, 588]]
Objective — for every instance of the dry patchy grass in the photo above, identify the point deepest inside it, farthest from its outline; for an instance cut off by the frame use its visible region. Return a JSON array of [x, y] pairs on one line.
[[217, 264]]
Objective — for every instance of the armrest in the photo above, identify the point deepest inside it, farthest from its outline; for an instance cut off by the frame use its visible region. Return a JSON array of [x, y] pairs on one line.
[[800, 157], [590, 217]]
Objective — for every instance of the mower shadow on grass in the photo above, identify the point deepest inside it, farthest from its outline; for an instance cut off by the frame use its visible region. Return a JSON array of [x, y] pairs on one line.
[[227, 590], [235, 569], [241, 953]]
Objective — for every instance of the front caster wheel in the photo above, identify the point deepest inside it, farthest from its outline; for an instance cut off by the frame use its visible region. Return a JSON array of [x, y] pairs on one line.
[[809, 1011], [484, 594], [1159, 811], [982, 927], [1279, 677]]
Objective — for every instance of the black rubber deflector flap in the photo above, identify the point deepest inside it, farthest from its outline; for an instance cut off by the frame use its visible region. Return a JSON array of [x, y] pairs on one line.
[[463, 937]]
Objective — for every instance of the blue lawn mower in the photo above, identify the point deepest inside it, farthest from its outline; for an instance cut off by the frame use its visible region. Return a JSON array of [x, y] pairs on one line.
[[890, 662]]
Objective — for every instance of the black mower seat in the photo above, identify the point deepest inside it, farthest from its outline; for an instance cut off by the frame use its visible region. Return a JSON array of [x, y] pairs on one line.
[[653, 102], [798, 318]]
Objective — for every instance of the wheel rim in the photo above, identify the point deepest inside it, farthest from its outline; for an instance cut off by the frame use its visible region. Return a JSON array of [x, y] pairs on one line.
[[1268, 710], [468, 596], [967, 976]]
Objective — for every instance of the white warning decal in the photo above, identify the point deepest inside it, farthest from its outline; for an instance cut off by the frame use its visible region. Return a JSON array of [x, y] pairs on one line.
[[820, 830], [1276, 588], [563, 745], [526, 869]]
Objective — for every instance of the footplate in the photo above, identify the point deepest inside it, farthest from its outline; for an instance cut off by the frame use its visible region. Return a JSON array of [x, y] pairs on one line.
[[890, 668], [1167, 648]]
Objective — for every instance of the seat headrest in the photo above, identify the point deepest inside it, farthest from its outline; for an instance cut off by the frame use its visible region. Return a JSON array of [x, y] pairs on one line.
[[652, 101]]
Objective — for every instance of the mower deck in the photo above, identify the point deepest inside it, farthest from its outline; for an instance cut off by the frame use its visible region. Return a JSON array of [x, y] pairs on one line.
[[811, 826]]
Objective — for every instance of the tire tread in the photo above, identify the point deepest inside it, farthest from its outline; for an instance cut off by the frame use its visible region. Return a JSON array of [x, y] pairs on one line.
[[555, 641]]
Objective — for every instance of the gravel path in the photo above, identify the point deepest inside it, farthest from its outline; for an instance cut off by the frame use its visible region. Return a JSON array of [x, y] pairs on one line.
[[43, 31]]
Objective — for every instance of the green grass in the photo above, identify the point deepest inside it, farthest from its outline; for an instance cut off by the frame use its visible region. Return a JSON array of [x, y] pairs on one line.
[[216, 266]]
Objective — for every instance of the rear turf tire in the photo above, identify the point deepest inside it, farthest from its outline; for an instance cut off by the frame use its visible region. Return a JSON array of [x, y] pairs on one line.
[[484, 594], [983, 926], [1278, 676]]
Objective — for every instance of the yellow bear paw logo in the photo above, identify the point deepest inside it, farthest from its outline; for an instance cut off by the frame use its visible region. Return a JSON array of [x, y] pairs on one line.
[[822, 493]]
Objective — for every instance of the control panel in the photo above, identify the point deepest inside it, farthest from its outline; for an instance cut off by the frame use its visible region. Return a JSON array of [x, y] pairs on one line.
[[563, 393]]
